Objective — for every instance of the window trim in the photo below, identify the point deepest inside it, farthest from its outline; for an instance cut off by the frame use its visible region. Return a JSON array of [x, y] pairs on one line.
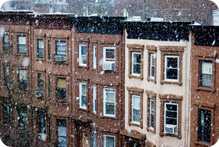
[[177, 119], [80, 95], [80, 55], [149, 99], [165, 67], [104, 54], [132, 73], [150, 54], [104, 101], [112, 136], [199, 87]]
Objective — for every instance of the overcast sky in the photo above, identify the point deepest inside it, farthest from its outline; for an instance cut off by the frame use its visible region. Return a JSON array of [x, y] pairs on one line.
[[2, 1]]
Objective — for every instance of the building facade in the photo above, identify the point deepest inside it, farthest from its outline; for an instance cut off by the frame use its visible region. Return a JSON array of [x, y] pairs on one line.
[[61, 80], [204, 87], [156, 84]]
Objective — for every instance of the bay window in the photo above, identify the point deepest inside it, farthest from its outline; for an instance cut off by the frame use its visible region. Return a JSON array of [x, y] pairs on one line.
[[109, 99], [206, 74]]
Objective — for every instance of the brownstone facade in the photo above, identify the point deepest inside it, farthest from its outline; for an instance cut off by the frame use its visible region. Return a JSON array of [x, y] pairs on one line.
[[204, 97], [59, 77]]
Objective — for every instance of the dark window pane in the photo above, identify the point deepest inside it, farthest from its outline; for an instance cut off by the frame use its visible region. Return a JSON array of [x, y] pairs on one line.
[[172, 74]]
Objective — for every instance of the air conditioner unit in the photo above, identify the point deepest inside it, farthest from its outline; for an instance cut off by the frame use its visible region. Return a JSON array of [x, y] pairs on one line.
[[170, 129], [60, 58], [109, 66]]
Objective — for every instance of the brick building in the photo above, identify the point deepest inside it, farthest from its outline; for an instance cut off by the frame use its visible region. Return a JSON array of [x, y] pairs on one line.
[[61, 78], [204, 87]]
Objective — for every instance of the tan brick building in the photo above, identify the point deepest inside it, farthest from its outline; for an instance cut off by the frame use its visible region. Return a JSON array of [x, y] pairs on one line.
[[204, 87]]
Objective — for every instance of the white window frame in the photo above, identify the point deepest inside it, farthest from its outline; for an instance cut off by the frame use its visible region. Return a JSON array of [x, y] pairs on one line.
[[177, 119], [132, 65], [152, 56], [104, 101], [80, 95], [104, 54], [165, 68], [80, 55], [202, 73], [114, 137], [132, 114], [94, 99], [94, 57]]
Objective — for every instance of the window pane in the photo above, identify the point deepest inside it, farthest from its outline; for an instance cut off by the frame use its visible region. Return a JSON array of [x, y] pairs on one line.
[[61, 47], [171, 107], [204, 125], [40, 48], [206, 76], [207, 68], [109, 100], [62, 133], [172, 62], [110, 108], [110, 141], [172, 74], [136, 63], [110, 54]]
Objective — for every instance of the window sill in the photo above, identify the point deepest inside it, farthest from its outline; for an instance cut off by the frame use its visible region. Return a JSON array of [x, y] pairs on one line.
[[140, 77], [135, 124], [152, 130], [109, 116], [171, 82], [172, 135], [205, 144], [152, 80], [205, 89]]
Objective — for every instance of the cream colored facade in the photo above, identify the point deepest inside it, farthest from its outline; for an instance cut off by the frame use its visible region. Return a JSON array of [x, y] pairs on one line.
[[159, 89]]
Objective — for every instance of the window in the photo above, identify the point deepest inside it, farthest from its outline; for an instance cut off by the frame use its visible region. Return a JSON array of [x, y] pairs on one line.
[[94, 98], [109, 102], [42, 125], [136, 63], [152, 66], [136, 109], [171, 118], [204, 125], [22, 117], [22, 79], [94, 58], [62, 133], [40, 48], [206, 75], [151, 113], [22, 44], [40, 85], [171, 68], [83, 95], [109, 141], [7, 74], [61, 88], [7, 113], [61, 51], [83, 52], [49, 86], [93, 139], [6, 41], [109, 58]]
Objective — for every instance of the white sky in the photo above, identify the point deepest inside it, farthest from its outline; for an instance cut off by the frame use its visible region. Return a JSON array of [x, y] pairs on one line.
[[2, 1]]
